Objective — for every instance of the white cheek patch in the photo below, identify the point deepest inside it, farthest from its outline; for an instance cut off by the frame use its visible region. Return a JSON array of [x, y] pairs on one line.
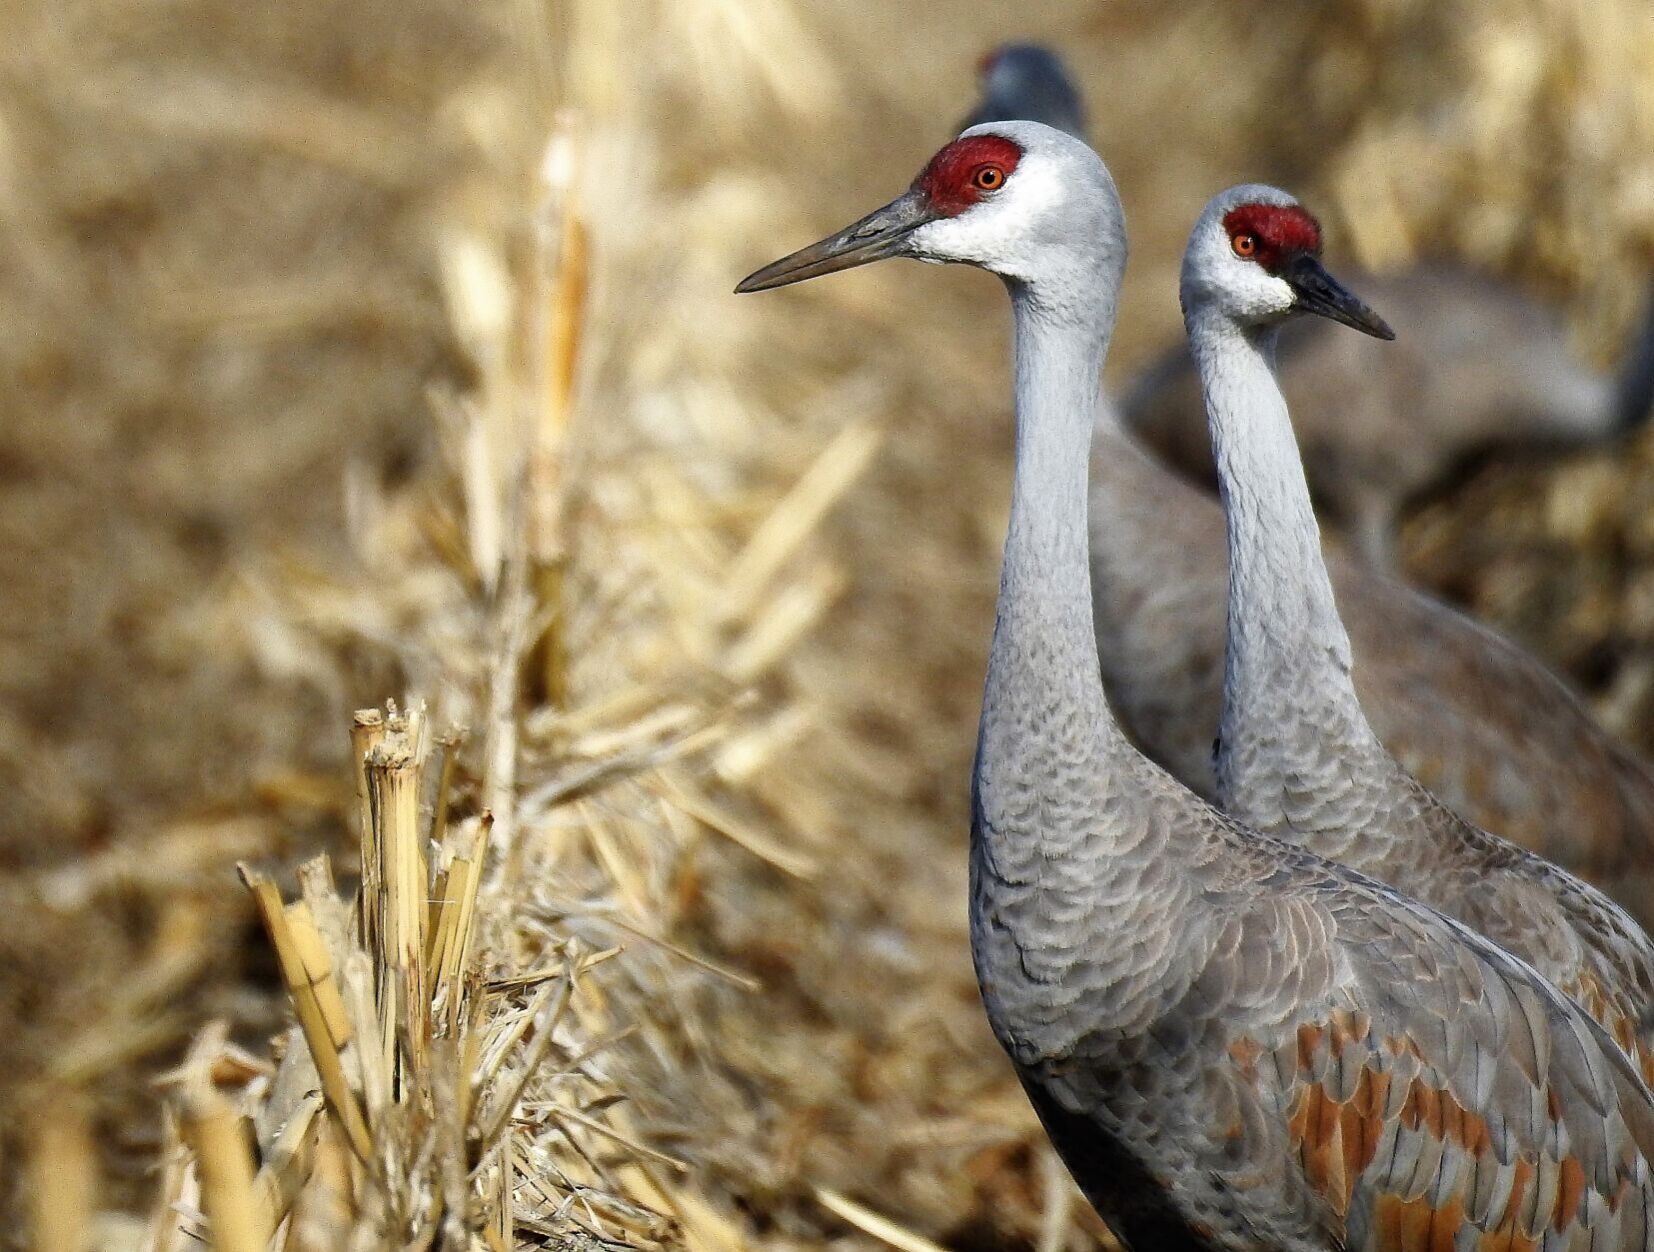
[[1036, 185], [1267, 296], [924, 244]]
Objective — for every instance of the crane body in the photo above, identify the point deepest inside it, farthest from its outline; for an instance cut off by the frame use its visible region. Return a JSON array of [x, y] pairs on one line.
[[1233, 1043], [1296, 755]]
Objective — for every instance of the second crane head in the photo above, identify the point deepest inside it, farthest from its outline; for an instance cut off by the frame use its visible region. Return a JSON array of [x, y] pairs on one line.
[[1254, 256]]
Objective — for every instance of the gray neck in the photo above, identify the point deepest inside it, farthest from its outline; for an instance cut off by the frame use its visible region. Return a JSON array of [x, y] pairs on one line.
[[1043, 710], [1287, 669], [1059, 399], [1077, 889]]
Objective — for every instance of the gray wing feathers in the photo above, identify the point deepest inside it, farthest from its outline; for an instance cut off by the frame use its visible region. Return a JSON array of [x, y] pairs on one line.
[[1358, 1069]]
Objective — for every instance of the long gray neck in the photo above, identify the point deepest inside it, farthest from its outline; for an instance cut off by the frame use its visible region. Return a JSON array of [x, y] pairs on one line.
[[1044, 717], [1059, 398], [1287, 683], [1076, 889]]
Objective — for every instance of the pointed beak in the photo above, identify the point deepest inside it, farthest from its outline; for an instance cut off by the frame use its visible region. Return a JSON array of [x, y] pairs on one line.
[[1319, 292], [882, 233]]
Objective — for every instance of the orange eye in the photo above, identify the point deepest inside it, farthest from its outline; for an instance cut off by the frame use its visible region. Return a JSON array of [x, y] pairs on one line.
[[1244, 245], [987, 178]]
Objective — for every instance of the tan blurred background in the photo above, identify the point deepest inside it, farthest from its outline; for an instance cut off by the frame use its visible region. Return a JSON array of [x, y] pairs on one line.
[[232, 257]]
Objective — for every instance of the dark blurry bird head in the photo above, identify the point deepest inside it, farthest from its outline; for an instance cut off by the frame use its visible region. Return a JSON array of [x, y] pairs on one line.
[[1634, 387], [1024, 82]]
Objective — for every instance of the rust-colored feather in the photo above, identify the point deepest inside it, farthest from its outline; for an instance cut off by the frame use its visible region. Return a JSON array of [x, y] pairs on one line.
[[1417, 1203]]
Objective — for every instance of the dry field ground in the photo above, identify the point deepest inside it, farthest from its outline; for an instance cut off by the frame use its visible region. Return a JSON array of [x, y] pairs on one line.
[[324, 385]]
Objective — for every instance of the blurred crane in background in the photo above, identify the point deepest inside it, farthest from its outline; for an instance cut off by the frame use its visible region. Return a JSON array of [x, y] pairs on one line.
[[1030, 82]]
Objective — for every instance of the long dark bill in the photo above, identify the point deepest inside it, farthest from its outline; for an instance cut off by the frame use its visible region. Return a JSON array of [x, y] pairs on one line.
[[878, 235], [1319, 292]]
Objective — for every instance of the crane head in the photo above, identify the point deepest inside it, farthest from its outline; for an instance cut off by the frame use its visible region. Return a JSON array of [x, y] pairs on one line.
[[1017, 198], [1255, 257], [1028, 82]]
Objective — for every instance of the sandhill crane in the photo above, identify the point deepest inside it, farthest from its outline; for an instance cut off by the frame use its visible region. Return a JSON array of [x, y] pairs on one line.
[[1233, 1043], [1296, 756], [1477, 719], [1025, 81], [1483, 368]]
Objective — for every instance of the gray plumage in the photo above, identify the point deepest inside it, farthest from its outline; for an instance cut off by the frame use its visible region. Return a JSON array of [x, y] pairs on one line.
[[1296, 756], [1478, 720], [1234, 1044]]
